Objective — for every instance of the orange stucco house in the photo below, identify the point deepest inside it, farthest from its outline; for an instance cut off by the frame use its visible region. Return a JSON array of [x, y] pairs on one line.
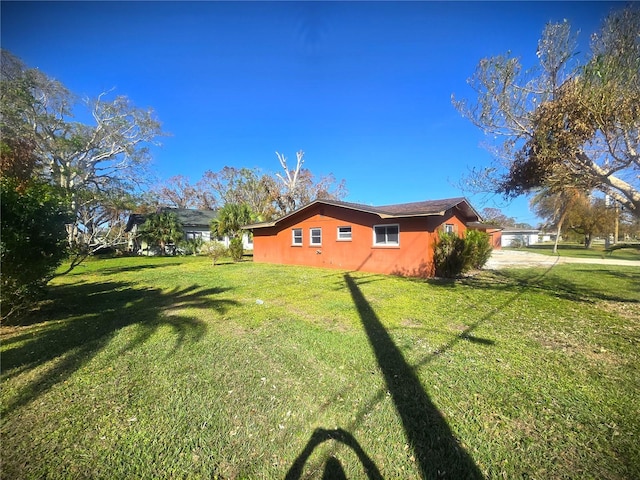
[[391, 239]]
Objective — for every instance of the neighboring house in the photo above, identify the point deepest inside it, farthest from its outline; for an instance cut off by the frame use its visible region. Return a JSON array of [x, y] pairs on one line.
[[195, 224], [547, 237], [520, 237], [392, 239]]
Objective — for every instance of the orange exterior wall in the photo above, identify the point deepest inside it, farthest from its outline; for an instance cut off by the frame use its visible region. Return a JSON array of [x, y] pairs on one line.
[[495, 238], [413, 256]]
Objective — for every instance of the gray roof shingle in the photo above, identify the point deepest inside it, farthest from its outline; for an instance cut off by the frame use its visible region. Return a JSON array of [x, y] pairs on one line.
[[413, 209]]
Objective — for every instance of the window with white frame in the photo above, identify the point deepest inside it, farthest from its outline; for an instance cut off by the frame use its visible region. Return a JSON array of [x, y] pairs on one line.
[[449, 228], [386, 235], [296, 237], [315, 234], [344, 234]]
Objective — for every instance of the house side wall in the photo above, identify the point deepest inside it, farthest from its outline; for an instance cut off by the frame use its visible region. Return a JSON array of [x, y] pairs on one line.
[[412, 257], [247, 241], [526, 239]]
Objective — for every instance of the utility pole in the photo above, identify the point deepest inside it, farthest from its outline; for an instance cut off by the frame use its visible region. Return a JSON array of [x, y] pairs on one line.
[[615, 227]]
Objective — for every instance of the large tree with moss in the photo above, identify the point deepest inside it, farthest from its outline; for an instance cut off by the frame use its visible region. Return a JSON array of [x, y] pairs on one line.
[[570, 122], [97, 163]]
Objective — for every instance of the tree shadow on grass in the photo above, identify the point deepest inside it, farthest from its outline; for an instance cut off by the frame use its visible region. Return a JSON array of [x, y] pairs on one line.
[[82, 318], [436, 449], [133, 264], [135, 268], [581, 288]]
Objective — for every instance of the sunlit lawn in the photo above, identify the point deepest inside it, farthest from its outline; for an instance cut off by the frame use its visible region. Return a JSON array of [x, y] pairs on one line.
[[577, 250], [172, 368]]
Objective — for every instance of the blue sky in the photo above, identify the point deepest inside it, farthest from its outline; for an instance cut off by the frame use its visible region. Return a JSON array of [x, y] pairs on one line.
[[364, 88]]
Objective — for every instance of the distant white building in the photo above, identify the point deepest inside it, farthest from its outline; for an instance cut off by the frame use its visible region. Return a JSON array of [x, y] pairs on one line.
[[519, 237]]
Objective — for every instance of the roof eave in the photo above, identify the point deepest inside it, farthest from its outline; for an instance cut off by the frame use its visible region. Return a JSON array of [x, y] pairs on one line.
[[372, 211], [258, 225]]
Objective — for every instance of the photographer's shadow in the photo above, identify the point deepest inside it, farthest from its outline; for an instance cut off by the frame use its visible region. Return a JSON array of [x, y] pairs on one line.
[[333, 468]]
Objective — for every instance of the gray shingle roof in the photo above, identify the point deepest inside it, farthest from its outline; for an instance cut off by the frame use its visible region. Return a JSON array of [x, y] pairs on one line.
[[413, 209], [186, 216]]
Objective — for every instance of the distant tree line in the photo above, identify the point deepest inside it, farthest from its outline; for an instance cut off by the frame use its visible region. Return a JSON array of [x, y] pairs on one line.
[[267, 196]]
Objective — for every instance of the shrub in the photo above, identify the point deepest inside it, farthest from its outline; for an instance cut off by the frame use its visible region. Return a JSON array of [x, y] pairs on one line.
[[236, 249], [191, 246], [477, 248], [448, 255], [34, 241], [517, 243], [454, 255], [214, 250]]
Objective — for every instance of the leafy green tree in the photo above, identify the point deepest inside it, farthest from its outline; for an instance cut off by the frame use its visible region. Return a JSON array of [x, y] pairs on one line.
[[590, 217], [572, 122], [33, 243], [162, 229]]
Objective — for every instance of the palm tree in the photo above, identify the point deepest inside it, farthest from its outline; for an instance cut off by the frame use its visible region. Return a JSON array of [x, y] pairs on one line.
[[162, 228], [554, 205], [230, 220]]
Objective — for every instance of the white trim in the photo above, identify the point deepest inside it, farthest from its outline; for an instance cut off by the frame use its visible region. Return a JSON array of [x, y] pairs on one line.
[[344, 239], [294, 237], [311, 242], [375, 244]]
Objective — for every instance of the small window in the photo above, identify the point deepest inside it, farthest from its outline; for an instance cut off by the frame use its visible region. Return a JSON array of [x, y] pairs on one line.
[[386, 235], [344, 234], [296, 236], [316, 236], [449, 228]]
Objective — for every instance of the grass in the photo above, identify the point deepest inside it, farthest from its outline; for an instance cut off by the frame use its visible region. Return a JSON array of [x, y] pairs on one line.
[[577, 250], [172, 368]]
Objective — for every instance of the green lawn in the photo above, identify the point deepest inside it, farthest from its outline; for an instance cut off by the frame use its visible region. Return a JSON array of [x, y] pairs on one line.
[[577, 250], [172, 368]]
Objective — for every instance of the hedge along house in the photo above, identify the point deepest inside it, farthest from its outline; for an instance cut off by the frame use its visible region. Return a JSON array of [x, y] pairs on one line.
[[392, 239]]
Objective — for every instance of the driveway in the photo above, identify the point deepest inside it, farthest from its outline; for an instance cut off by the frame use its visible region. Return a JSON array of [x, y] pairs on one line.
[[517, 258]]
